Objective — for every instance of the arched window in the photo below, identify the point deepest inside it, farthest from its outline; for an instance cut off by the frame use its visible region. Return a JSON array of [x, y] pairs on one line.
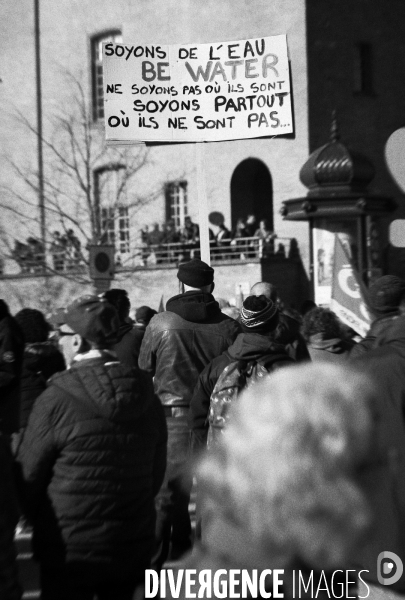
[[97, 69], [252, 191]]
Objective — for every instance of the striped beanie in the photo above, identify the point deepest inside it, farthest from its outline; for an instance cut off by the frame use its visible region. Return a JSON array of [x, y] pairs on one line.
[[259, 314]]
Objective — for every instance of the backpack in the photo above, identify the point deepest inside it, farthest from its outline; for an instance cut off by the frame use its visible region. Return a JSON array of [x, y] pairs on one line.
[[236, 376]]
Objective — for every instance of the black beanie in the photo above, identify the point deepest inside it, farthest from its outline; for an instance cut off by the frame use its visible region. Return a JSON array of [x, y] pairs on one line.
[[385, 294], [259, 314], [195, 273]]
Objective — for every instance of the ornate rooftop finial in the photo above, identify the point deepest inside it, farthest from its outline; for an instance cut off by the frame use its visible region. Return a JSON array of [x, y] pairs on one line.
[[333, 169], [334, 132]]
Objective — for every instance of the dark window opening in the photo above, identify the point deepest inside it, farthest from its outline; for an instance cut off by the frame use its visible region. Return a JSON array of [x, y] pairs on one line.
[[363, 69]]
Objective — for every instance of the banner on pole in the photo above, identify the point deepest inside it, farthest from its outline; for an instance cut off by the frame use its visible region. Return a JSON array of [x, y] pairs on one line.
[[348, 294], [197, 92]]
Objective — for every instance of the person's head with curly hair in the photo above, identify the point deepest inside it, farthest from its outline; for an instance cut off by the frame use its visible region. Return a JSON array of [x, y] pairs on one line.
[[321, 321], [287, 465]]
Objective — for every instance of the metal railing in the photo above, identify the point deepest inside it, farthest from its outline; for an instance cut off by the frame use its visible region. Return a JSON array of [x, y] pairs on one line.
[[234, 250], [151, 255]]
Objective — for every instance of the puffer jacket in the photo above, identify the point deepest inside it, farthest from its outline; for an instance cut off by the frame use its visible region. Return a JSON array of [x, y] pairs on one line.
[[92, 459], [181, 341], [247, 346], [40, 362]]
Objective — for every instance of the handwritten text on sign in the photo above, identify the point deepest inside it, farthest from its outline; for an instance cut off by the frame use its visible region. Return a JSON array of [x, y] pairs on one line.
[[204, 92]]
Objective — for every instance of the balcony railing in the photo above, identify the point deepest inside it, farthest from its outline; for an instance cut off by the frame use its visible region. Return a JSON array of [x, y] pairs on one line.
[[236, 250], [149, 256]]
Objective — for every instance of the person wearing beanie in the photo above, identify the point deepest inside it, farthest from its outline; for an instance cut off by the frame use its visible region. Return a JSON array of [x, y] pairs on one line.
[[259, 318], [288, 329], [386, 297], [91, 460], [11, 360], [178, 344], [42, 359]]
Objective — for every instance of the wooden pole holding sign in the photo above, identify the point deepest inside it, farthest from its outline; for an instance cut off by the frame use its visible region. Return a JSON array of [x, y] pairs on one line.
[[202, 204]]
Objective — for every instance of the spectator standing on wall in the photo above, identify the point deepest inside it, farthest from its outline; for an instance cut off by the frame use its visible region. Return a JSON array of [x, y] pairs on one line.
[[58, 251], [178, 344], [267, 237], [251, 225]]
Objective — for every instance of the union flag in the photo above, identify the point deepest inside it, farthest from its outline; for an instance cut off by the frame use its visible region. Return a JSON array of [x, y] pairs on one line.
[[349, 297]]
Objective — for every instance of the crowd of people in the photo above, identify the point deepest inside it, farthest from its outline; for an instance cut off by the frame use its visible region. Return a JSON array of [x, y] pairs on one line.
[[239, 240], [288, 424], [65, 251]]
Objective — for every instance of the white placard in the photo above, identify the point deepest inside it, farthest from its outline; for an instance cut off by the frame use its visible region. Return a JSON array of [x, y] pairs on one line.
[[197, 92]]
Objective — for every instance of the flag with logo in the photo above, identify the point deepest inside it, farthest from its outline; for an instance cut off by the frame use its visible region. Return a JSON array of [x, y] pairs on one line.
[[348, 293]]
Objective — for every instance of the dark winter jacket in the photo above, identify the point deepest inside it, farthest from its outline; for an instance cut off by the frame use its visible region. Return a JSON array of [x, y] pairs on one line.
[[288, 334], [93, 457], [181, 341], [40, 362], [11, 359], [332, 350], [9, 587], [385, 365], [247, 346], [377, 329], [129, 344]]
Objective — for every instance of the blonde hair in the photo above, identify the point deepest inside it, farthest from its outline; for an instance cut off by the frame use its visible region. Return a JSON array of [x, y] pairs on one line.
[[286, 465]]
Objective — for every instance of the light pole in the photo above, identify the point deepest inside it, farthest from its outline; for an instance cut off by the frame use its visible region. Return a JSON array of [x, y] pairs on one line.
[[41, 202]]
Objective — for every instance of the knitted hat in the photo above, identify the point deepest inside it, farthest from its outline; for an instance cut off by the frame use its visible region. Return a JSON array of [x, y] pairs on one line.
[[33, 324], [144, 314], [385, 294], [94, 319], [259, 314], [195, 273]]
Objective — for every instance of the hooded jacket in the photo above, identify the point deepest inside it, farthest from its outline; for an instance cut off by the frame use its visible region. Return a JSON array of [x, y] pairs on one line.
[[92, 459], [40, 362], [129, 344], [247, 346], [181, 341]]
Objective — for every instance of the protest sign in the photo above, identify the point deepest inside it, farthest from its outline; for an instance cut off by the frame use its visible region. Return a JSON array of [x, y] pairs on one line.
[[197, 92]]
